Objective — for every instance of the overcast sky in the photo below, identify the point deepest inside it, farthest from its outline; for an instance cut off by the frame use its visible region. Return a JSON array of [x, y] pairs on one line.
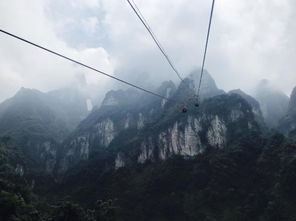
[[250, 40]]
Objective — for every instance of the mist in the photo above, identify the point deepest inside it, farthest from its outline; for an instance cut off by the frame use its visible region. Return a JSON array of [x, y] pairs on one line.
[[250, 40]]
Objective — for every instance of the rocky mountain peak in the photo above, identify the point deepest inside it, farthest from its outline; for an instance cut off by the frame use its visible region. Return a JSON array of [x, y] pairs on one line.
[[208, 85], [120, 97], [252, 101], [27, 93], [165, 86], [186, 92]]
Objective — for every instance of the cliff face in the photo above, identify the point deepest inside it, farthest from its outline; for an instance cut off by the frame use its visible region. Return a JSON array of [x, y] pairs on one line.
[[135, 128], [120, 111], [182, 138], [216, 124]]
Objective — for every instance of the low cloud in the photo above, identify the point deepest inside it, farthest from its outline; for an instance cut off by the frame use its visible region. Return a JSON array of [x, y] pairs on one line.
[[249, 41], [25, 66]]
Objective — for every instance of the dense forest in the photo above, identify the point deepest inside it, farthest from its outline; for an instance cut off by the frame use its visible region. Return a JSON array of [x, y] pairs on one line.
[[252, 179]]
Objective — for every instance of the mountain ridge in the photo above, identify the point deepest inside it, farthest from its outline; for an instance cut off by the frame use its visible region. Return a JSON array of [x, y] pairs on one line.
[[118, 114], [37, 122]]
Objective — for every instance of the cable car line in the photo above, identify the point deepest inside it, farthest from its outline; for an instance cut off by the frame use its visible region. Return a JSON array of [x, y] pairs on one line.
[[205, 51], [142, 16], [86, 66], [145, 23]]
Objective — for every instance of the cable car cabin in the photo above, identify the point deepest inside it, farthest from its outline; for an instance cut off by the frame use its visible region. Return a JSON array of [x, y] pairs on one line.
[[184, 110]]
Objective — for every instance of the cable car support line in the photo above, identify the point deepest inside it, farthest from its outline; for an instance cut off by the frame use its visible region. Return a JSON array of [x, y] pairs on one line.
[[86, 66], [205, 51], [145, 23]]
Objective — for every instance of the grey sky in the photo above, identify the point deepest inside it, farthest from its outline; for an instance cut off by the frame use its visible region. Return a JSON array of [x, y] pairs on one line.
[[250, 40]]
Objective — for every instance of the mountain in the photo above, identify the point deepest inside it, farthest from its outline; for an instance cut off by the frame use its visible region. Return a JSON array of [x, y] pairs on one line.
[[128, 110], [38, 122], [208, 86], [137, 128], [252, 179], [287, 124], [215, 124], [273, 103], [254, 104], [292, 103], [138, 157]]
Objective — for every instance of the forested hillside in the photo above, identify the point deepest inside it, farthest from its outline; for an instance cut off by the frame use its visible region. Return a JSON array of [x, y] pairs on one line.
[[252, 179]]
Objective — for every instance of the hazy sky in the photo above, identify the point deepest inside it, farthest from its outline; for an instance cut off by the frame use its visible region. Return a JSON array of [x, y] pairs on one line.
[[250, 40]]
